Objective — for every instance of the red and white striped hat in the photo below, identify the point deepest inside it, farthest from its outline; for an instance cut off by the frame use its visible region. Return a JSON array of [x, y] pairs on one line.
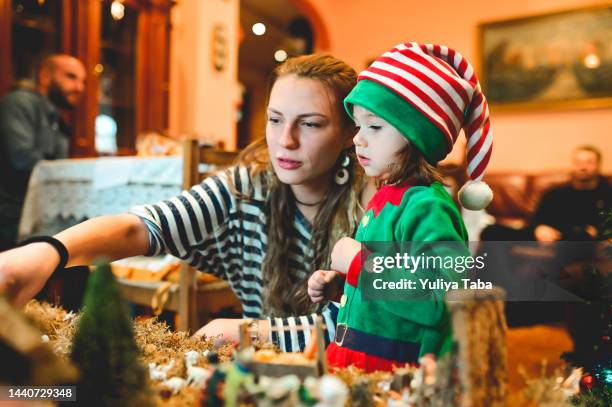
[[429, 93]]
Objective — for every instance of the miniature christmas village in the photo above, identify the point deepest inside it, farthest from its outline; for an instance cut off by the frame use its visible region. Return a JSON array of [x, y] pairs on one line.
[[115, 361]]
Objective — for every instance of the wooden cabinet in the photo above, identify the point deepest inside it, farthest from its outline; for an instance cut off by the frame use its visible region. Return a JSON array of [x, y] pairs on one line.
[[29, 29], [126, 59]]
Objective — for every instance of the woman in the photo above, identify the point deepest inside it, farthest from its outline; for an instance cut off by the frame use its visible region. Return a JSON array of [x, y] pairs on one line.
[[264, 225]]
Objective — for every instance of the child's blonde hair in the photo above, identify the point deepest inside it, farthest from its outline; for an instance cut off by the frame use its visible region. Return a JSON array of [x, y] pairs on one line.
[[413, 165]]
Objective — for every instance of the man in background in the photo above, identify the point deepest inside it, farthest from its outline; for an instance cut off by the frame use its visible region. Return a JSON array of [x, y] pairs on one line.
[[575, 211], [571, 212], [32, 129]]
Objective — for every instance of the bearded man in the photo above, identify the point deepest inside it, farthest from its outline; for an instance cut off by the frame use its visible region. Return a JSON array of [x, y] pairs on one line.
[[32, 129]]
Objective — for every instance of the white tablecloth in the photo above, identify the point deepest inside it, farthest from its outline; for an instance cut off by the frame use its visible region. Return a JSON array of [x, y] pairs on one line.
[[62, 193]]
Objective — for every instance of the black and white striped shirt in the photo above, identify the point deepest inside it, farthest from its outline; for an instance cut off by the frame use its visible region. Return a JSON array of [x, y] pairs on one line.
[[217, 232]]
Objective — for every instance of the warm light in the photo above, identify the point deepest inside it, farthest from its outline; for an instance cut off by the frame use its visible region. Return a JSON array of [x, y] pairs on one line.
[[98, 69], [591, 61], [259, 28], [41, 2], [280, 55], [117, 10]]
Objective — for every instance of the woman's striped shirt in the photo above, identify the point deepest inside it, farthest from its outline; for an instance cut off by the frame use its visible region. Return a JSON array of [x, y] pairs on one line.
[[217, 232]]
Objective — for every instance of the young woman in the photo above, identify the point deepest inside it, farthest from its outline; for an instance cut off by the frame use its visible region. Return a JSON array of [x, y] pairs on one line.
[[263, 225], [409, 107]]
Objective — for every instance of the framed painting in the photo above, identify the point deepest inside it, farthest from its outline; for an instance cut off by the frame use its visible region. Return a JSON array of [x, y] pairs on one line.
[[561, 59]]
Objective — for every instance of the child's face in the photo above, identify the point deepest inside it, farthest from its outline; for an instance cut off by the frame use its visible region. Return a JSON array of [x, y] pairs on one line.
[[377, 143]]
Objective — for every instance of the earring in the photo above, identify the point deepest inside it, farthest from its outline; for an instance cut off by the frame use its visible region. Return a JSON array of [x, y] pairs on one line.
[[342, 175]]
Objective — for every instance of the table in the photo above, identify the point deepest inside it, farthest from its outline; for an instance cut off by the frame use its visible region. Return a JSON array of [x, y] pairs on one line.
[[62, 193]]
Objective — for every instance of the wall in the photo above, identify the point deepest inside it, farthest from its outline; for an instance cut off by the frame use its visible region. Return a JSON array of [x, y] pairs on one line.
[[523, 141], [203, 101]]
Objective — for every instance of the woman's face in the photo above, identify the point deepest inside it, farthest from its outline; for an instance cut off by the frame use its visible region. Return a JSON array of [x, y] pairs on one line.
[[377, 143], [303, 131]]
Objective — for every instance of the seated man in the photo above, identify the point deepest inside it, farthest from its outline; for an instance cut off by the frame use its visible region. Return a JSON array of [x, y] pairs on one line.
[[571, 214], [574, 211], [31, 129]]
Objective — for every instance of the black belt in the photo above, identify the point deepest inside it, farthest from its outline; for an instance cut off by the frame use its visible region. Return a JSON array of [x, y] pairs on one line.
[[405, 352]]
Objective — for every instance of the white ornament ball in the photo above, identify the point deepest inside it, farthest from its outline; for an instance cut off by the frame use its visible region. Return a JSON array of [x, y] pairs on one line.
[[332, 391]]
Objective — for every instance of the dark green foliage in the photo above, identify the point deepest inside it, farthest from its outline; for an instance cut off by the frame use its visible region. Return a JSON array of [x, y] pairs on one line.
[[362, 394], [591, 322], [592, 328], [214, 389], [606, 227], [104, 348], [599, 396]]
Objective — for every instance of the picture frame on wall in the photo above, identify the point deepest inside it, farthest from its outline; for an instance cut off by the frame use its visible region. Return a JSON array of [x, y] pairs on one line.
[[556, 60]]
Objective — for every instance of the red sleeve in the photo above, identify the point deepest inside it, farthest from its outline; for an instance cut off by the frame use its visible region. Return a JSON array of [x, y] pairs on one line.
[[352, 277]]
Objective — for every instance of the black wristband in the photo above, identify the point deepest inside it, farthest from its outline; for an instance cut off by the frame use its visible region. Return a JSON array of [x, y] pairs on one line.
[[57, 245]]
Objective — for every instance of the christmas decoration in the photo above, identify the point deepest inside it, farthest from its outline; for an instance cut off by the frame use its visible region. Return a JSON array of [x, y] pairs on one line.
[[551, 390], [104, 348], [26, 357], [587, 382], [600, 396], [180, 365], [590, 326], [161, 348], [479, 330]]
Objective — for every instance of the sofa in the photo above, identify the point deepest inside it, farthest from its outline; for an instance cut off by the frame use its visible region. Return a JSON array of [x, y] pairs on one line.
[[516, 194]]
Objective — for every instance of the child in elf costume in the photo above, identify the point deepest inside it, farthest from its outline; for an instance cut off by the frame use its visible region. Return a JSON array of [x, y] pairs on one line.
[[409, 106]]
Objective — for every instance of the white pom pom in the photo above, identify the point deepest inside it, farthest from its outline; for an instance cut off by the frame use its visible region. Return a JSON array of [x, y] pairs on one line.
[[475, 195]]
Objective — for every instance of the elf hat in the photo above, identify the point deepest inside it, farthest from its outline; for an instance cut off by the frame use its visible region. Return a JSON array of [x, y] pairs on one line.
[[429, 93]]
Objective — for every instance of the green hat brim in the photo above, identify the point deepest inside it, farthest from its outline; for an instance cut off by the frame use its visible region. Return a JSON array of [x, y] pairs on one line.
[[400, 113]]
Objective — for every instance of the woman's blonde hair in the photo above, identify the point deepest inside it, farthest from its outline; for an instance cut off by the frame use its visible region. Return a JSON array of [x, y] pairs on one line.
[[285, 292]]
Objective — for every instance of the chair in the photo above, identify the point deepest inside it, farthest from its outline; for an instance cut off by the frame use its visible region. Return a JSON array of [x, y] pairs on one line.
[[200, 301], [186, 297]]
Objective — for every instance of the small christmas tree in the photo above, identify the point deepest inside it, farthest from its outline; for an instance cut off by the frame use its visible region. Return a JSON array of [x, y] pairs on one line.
[[592, 328], [104, 348]]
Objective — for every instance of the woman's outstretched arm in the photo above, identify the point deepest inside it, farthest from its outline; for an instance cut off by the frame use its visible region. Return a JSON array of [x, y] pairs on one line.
[[112, 237], [24, 270]]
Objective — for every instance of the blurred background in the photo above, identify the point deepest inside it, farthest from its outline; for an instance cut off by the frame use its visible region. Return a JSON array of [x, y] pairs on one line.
[[199, 68]]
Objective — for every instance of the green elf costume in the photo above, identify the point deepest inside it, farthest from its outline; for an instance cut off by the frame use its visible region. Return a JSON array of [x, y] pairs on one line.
[[428, 93]]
